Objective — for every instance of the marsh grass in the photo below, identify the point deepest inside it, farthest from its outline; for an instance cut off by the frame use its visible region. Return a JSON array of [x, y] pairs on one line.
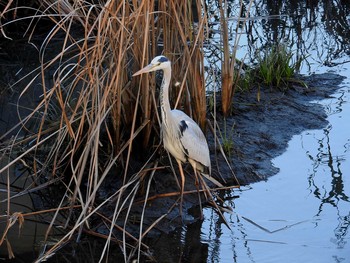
[[276, 67], [226, 139], [91, 117]]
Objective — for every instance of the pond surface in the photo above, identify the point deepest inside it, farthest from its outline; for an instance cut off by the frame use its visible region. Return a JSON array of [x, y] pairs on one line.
[[302, 214]]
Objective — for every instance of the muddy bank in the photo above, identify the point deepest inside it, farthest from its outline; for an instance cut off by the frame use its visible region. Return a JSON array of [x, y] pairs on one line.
[[261, 129]]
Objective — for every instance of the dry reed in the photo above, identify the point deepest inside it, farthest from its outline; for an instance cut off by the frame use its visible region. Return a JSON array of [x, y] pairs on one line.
[[91, 115], [229, 77]]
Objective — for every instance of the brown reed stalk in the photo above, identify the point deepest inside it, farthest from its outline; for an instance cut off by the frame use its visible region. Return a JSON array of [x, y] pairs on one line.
[[229, 83]]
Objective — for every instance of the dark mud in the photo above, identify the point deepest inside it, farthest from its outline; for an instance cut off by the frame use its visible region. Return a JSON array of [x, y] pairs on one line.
[[261, 129]]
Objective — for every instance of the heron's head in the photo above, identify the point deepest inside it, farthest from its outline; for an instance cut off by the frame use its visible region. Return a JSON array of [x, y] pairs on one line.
[[159, 62]]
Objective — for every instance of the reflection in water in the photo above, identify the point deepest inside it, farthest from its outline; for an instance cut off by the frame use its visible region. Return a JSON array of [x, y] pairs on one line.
[[320, 28], [335, 195], [325, 157], [241, 230], [24, 241], [308, 200], [193, 249], [317, 31]]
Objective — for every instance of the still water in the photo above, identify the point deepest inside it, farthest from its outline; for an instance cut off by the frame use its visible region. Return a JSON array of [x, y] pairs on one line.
[[301, 214]]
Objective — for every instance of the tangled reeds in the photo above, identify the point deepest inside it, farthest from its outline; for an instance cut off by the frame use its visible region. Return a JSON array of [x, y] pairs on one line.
[[91, 118]]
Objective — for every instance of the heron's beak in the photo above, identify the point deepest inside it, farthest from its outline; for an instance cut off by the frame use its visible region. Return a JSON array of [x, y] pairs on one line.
[[148, 68]]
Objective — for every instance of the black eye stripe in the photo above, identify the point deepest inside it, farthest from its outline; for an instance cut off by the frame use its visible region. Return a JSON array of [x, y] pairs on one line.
[[162, 59]]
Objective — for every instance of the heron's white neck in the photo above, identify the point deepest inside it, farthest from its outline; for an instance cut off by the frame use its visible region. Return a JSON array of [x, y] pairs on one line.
[[164, 95]]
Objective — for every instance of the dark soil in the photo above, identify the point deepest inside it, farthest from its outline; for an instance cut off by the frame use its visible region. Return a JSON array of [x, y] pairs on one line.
[[262, 129]]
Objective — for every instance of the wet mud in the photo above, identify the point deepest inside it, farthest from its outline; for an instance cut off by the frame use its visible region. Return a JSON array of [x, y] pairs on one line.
[[261, 129]]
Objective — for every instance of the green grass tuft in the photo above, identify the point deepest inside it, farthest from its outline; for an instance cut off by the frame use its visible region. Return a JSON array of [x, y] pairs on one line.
[[276, 67]]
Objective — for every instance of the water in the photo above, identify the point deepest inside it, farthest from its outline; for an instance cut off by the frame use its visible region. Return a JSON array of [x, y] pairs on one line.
[[302, 214], [309, 196], [307, 201]]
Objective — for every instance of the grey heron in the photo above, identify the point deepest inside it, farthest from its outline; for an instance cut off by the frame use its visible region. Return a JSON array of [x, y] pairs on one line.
[[182, 137]]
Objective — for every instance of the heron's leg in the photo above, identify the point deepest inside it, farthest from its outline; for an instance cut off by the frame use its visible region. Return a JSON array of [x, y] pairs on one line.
[[199, 195], [182, 184], [173, 170]]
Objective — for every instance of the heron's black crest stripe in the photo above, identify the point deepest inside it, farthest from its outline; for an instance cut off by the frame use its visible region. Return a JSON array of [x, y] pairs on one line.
[[162, 59], [183, 126]]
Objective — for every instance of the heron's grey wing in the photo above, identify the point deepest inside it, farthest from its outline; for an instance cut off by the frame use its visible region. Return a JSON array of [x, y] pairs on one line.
[[192, 139]]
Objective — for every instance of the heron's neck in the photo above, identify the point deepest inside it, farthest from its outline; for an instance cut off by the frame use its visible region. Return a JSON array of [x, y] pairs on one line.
[[164, 94]]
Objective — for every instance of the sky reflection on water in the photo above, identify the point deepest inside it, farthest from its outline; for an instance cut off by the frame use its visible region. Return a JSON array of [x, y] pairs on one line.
[[311, 191]]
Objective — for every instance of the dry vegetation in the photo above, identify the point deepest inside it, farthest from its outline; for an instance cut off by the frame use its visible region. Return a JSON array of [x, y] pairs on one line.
[[92, 117]]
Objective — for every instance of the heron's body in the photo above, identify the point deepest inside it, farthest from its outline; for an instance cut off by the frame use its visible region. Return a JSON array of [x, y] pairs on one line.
[[182, 137]]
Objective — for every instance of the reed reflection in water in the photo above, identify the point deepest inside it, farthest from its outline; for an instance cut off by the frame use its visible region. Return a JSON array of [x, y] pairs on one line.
[[301, 214]]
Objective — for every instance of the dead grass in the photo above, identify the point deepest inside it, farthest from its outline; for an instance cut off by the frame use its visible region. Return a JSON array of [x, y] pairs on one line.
[[229, 81], [91, 116]]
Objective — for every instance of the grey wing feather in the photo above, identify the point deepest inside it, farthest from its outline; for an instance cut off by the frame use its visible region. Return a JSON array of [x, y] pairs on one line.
[[192, 139]]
